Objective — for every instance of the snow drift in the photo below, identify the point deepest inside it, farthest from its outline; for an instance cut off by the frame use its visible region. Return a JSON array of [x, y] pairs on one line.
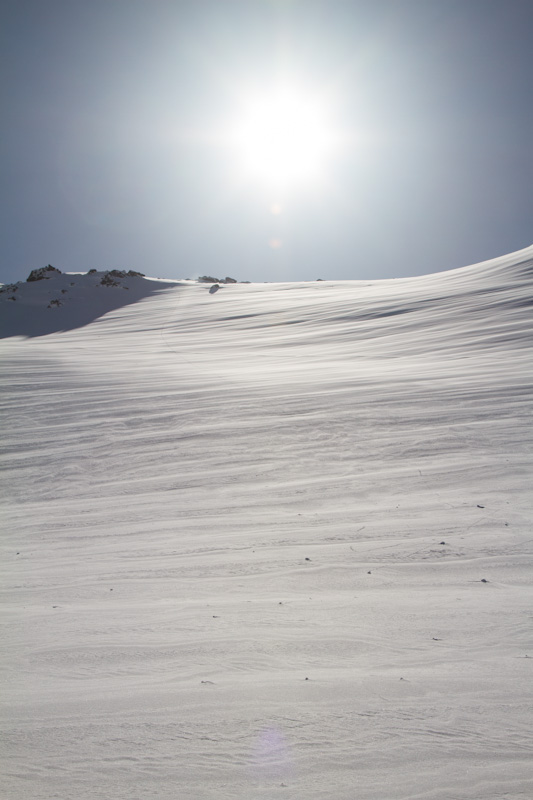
[[271, 542]]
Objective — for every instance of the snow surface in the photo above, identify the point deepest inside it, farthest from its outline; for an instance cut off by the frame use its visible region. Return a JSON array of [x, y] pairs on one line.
[[273, 541]]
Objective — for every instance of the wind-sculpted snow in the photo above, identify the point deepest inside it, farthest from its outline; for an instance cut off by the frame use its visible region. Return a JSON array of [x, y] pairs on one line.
[[273, 542]]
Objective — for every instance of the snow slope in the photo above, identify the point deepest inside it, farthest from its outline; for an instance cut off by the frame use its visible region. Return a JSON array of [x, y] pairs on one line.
[[56, 301], [273, 541]]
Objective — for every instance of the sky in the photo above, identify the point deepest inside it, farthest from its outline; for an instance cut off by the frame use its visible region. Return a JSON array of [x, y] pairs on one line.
[[266, 140]]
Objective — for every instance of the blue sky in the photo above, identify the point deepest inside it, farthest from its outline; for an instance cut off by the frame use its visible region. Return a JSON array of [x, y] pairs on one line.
[[117, 148]]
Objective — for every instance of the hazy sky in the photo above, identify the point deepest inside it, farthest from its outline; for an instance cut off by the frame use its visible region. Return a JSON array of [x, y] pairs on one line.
[[265, 139]]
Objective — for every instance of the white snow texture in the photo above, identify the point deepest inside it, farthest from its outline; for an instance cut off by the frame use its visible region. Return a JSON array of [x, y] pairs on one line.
[[273, 541]]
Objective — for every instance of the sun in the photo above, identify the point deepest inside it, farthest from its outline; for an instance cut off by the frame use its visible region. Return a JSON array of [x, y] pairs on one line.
[[283, 138]]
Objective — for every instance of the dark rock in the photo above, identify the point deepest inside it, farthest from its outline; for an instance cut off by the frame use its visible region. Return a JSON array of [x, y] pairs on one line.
[[229, 280], [107, 280], [208, 279], [42, 274], [133, 274]]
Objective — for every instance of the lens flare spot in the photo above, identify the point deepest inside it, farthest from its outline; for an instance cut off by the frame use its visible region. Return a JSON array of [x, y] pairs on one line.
[[270, 756]]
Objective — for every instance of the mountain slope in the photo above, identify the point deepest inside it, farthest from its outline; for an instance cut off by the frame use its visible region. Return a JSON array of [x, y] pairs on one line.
[[51, 301], [274, 541]]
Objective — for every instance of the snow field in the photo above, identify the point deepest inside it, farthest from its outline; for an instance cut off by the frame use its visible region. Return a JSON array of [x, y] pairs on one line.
[[273, 541]]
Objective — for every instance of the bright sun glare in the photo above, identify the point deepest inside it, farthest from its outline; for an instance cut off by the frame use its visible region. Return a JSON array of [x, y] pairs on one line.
[[284, 138]]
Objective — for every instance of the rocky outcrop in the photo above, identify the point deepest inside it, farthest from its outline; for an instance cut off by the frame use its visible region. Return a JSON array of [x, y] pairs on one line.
[[210, 279], [42, 274], [113, 276]]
